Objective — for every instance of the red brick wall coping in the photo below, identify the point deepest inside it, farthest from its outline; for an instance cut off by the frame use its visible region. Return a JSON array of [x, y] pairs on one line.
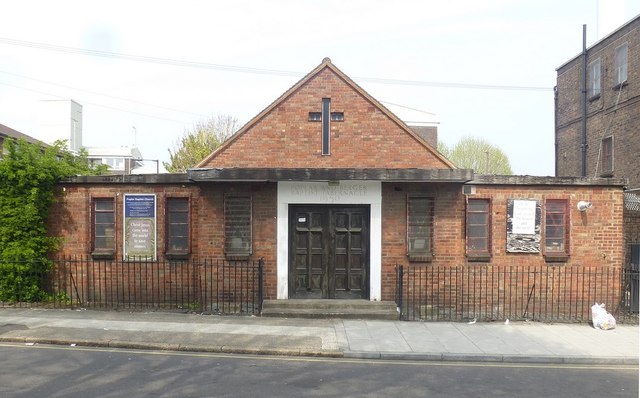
[[480, 179], [167, 178], [390, 175], [329, 174]]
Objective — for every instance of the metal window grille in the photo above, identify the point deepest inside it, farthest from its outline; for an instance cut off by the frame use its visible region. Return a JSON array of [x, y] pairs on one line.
[[237, 224], [419, 227]]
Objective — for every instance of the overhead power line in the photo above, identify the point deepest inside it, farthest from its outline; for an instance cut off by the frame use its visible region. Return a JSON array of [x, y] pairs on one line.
[[102, 94], [453, 85], [408, 107], [251, 70], [142, 58], [95, 104]]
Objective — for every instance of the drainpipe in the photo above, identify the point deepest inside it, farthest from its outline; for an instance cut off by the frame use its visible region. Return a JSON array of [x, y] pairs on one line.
[[583, 147], [555, 126]]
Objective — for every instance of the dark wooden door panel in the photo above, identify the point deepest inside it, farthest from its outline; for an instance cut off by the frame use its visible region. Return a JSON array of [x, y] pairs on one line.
[[329, 252], [349, 231], [308, 272]]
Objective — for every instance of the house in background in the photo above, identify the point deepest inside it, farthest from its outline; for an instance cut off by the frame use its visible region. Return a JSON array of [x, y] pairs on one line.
[[62, 120], [425, 124], [121, 160], [333, 192], [597, 132], [9, 133]]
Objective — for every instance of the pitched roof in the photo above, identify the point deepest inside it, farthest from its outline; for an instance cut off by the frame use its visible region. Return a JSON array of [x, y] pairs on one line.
[[15, 134], [605, 39], [326, 64]]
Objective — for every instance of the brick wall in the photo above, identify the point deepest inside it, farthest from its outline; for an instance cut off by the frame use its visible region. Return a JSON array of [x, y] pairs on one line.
[[70, 218], [616, 112], [448, 240], [595, 235], [367, 138]]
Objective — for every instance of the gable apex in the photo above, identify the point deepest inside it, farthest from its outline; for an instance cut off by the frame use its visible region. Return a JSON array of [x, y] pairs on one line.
[[319, 71]]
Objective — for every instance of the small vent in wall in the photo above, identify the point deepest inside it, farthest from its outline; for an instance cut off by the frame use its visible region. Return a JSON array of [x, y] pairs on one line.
[[468, 189]]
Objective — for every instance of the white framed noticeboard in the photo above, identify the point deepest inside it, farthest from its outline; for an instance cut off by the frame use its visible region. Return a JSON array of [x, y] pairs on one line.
[[523, 226], [140, 233]]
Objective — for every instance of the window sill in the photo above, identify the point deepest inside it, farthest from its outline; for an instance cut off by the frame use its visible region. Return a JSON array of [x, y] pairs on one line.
[[238, 256], [606, 174], [556, 257], [420, 258], [620, 85], [102, 255], [177, 256], [594, 98], [479, 257]]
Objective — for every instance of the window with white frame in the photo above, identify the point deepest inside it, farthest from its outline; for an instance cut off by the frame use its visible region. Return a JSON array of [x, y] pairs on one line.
[[103, 226], [478, 228], [606, 156], [620, 65], [594, 78]]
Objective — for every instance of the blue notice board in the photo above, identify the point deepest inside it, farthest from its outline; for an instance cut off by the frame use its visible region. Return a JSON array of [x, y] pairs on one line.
[[139, 241]]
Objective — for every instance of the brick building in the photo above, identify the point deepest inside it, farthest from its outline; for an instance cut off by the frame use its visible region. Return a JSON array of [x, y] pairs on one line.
[[612, 101], [333, 191], [597, 131], [9, 133]]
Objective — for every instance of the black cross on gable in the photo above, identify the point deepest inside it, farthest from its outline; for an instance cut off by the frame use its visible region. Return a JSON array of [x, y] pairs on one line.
[[326, 116], [326, 109], [325, 119]]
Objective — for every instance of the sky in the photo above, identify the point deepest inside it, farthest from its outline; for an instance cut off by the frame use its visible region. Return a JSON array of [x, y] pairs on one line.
[[146, 72]]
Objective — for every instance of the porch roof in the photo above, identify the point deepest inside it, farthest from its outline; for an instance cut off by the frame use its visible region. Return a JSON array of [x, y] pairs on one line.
[[330, 174]]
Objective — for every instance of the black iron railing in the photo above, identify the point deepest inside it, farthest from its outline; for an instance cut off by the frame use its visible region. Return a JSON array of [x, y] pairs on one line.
[[213, 286], [491, 293]]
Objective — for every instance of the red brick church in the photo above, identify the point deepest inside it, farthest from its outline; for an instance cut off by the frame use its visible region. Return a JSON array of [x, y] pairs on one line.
[[334, 192]]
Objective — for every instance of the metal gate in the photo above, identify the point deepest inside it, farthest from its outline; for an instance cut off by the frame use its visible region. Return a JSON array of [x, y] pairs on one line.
[[634, 282]]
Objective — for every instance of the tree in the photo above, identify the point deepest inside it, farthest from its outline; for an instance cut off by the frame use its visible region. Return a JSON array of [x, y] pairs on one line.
[[28, 175], [195, 145], [477, 154]]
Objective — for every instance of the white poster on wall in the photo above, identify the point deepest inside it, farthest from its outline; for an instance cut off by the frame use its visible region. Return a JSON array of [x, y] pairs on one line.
[[524, 217]]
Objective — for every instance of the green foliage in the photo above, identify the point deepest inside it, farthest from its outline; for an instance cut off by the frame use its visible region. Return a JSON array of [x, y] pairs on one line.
[[28, 174], [22, 281], [198, 144], [477, 154]]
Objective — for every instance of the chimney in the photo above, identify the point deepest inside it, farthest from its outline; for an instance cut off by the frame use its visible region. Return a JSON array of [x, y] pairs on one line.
[[427, 133]]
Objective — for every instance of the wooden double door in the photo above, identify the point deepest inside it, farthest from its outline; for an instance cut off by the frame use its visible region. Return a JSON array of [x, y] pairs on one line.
[[329, 252]]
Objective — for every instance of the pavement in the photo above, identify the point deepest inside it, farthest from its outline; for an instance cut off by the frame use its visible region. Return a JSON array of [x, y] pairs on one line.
[[516, 342]]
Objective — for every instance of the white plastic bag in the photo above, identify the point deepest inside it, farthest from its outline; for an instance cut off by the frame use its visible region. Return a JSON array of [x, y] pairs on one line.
[[601, 318]]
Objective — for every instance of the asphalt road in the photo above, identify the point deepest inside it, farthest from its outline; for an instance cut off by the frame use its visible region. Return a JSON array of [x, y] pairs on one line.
[[56, 371]]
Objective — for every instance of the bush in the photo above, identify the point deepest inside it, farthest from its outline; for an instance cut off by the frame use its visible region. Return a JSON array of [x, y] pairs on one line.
[[22, 282], [28, 175]]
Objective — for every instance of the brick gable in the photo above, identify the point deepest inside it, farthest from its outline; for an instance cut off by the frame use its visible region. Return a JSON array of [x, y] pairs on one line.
[[283, 137]]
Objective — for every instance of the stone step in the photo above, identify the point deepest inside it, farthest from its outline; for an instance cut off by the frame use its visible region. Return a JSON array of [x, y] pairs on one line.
[[345, 309]]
